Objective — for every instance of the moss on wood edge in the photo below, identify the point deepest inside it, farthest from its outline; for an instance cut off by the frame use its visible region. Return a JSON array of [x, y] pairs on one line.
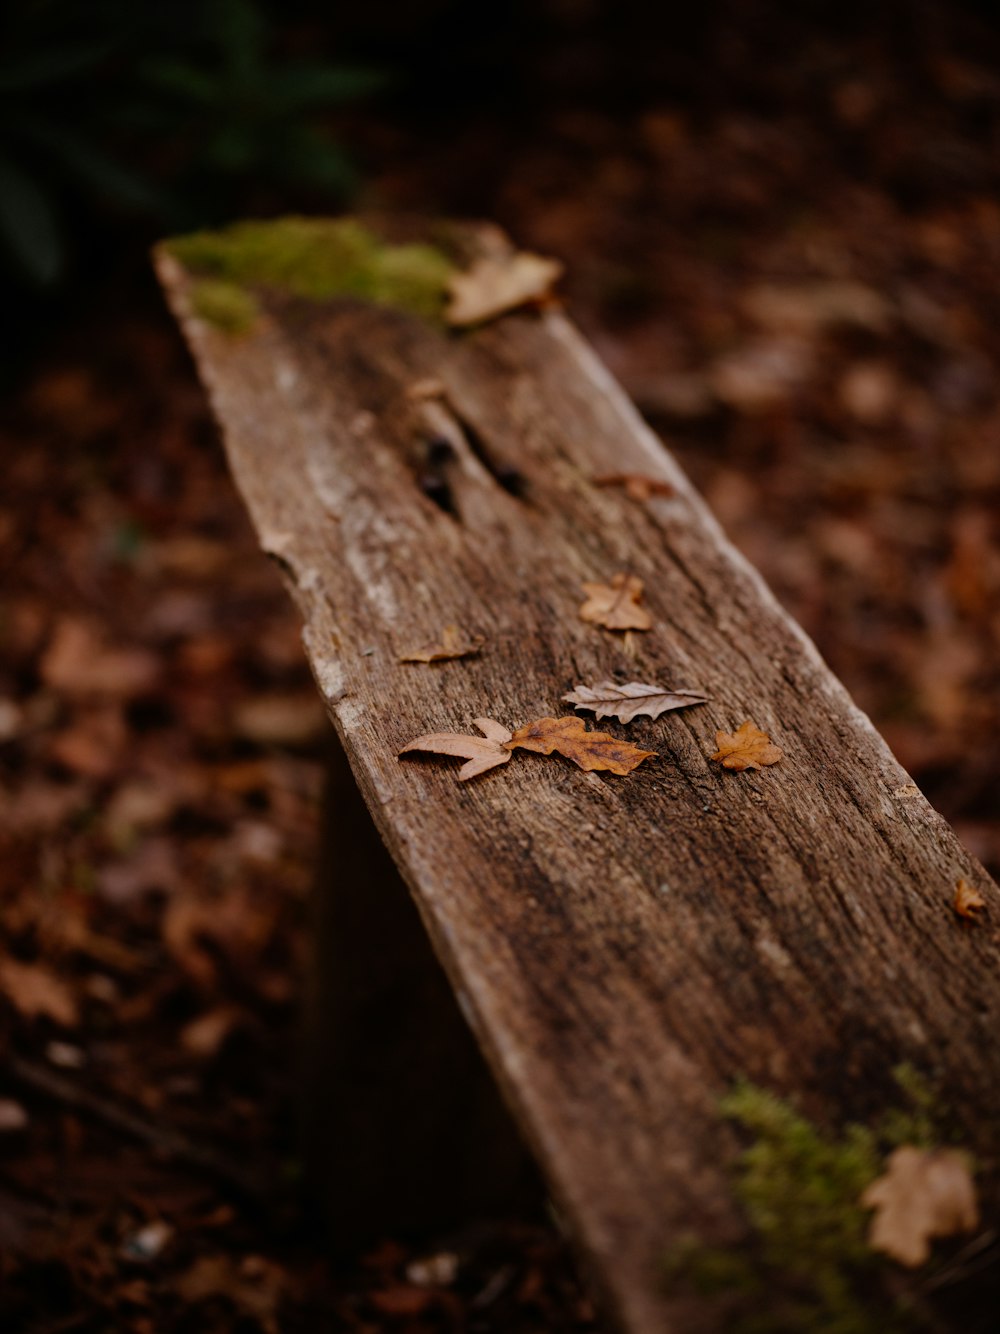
[[311, 258]]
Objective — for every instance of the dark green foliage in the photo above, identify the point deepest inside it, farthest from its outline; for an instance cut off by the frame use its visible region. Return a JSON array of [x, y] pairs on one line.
[[175, 114]]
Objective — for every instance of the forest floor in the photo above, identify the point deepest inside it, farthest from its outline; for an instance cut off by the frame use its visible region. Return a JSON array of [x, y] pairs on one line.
[[797, 280]]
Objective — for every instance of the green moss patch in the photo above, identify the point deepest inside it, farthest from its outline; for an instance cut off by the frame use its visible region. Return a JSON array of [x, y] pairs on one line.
[[319, 258], [808, 1268], [230, 308]]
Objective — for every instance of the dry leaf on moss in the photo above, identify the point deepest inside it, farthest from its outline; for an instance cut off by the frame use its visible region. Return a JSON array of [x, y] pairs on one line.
[[482, 755], [496, 284], [746, 748], [625, 702], [589, 750], [453, 644], [968, 902], [924, 1193], [615, 605], [636, 485]]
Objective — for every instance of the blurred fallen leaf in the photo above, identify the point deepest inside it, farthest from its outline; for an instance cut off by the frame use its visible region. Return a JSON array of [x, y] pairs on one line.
[[924, 1193], [746, 748], [206, 1035], [482, 755], [636, 485], [625, 702], [589, 750], [453, 644], [35, 991], [968, 902], [255, 1287], [496, 284], [77, 662], [615, 605], [280, 720]]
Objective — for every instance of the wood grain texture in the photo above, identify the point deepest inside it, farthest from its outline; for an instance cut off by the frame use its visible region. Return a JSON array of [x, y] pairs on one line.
[[623, 948]]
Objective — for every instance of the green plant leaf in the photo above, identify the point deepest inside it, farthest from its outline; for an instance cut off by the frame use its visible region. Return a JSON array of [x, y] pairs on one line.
[[316, 85], [28, 225]]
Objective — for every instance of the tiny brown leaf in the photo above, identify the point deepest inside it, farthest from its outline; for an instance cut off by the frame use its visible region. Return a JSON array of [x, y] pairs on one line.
[[968, 902], [746, 748], [636, 485], [589, 750], [625, 702], [482, 755], [497, 283], [453, 644], [923, 1193], [615, 605]]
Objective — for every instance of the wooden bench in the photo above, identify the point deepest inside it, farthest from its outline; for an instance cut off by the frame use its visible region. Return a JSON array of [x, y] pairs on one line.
[[623, 948]]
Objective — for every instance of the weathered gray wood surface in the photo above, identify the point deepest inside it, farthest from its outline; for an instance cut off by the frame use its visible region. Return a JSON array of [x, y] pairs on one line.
[[622, 947]]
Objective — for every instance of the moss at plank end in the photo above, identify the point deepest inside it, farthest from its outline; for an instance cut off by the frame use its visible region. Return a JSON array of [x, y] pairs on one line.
[[318, 258], [807, 1268], [225, 305]]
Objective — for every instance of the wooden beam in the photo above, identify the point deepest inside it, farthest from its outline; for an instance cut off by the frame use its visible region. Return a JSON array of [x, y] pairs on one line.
[[623, 948]]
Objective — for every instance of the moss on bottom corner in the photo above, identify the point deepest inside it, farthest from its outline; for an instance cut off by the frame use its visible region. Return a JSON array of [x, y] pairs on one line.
[[224, 305], [318, 258], [807, 1267]]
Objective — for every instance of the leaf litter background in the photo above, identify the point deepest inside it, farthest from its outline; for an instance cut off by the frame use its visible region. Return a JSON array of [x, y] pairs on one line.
[[792, 264]]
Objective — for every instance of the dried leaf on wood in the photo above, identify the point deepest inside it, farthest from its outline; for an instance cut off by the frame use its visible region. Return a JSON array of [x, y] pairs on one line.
[[609, 700], [589, 750], [924, 1193], [452, 644], [968, 902], [615, 605], [35, 990], [746, 748], [496, 284], [636, 485], [482, 755]]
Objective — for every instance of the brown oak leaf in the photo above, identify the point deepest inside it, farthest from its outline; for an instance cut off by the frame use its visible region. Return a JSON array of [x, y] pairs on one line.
[[482, 755], [636, 485], [746, 748], [968, 902], [609, 700], [923, 1193], [453, 644], [615, 605], [589, 750], [497, 283]]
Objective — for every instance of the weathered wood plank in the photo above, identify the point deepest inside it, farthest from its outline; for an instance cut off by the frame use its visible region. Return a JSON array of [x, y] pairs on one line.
[[622, 948]]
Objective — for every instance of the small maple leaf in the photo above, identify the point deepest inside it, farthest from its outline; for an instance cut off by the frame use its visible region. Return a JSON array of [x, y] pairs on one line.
[[615, 605], [482, 755], [453, 644], [968, 902], [924, 1193], [589, 750], [497, 283], [609, 700], [746, 748], [636, 485]]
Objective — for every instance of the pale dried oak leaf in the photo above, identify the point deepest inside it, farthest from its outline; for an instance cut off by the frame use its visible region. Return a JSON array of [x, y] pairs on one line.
[[746, 748], [615, 605], [452, 644], [968, 902], [495, 284], [589, 750], [625, 702], [482, 755], [924, 1193]]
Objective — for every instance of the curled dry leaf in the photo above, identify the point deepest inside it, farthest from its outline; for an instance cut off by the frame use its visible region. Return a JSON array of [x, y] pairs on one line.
[[615, 605], [968, 902], [589, 750], [498, 283], [482, 755], [609, 700], [924, 1193], [746, 748], [453, 644], [636, 485]]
